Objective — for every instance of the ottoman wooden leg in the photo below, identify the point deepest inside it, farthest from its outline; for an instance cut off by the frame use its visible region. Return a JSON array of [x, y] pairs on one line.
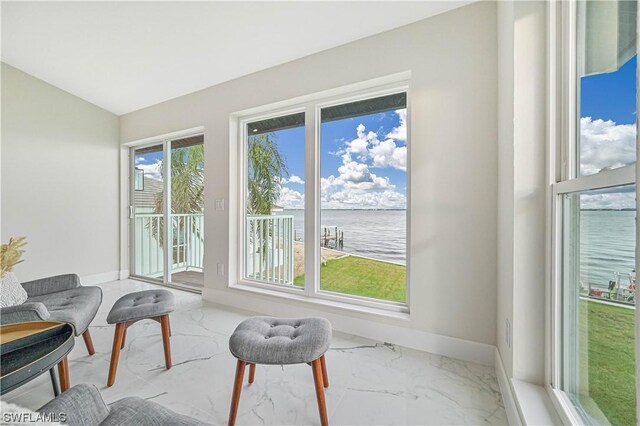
[[166, 333], [63, 372], [88, 342], [325, 377], [115, 352], [252, 373], [319, 382], [237, 388], [124, 338]]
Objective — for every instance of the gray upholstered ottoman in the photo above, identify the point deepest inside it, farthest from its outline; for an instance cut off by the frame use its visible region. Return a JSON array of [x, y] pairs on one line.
[[280, 341], [149, 304]]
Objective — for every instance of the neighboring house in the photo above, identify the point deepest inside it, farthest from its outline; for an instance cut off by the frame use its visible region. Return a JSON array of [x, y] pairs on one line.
[[144, 200]]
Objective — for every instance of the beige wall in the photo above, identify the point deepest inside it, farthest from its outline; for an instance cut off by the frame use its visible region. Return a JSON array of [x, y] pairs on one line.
[[522, 232], [60, 176], [454, 163], [505, 184]]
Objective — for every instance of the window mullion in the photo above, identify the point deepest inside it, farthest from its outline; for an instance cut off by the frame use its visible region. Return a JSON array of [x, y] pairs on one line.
[[166, 216], [311, 201], [571, 167], [637, 180]]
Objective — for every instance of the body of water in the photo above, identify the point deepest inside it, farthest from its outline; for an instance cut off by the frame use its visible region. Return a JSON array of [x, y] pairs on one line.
[[607, 246], [380, 234], [607, 238]]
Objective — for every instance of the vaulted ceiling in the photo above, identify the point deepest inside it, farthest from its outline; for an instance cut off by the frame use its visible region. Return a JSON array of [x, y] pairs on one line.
[[123, 56]]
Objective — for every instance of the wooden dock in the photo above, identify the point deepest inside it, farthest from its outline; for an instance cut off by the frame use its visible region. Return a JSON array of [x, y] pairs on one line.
[[331, 237]]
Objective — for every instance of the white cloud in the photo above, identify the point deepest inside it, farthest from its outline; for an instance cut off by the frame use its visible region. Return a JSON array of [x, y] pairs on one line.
[[139, 160], [374, 200], [383, 154], [352, 171], [616, 200], [400, 133], [387, 154], [376, 183], [605, 145], [152, 170], [292, 179], [290, 199], [359, 147], [355, 186]]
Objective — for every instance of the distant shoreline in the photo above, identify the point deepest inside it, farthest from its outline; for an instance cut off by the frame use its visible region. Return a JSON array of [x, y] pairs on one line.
[[607, 210], [350, 210]]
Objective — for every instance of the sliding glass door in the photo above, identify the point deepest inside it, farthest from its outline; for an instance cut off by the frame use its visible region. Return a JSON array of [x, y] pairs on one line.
[[148, 212], [170, 173]]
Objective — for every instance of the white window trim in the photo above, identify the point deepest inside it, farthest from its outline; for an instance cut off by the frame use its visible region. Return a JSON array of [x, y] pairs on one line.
[[563, 174], [311, 106]]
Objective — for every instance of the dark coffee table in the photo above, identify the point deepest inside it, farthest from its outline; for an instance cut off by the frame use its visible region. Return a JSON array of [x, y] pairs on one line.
[[28, 349]]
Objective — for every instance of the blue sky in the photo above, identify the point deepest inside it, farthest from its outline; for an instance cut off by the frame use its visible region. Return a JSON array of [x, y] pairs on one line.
[[608, 114], [611, 96], [362, 163], [150, 163]]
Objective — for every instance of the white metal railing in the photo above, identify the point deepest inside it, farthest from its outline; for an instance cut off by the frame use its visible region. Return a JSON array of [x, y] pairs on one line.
[[188, 242], [269, 249], [187, 247]]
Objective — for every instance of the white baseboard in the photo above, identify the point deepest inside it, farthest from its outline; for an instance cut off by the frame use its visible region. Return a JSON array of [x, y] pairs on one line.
[[124, 274], [369, 326], [104, 277], [508, 397]]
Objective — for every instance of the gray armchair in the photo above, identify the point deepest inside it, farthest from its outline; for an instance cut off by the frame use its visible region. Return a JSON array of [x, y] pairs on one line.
[[83, 405], [59, 298]]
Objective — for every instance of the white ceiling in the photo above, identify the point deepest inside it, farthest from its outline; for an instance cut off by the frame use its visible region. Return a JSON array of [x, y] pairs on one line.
[[123, 56]]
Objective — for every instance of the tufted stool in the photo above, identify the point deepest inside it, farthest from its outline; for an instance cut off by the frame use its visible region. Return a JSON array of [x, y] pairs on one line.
[[131, 308], [280, 341]]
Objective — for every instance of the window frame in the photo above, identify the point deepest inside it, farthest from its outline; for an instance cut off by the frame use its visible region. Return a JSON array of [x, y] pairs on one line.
[[563, 92], [312, 108]]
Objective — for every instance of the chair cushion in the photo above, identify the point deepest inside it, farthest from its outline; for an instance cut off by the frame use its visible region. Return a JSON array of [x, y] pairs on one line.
[[81, 405], [137, 411], [77, 306], [141, 305], [268, 340]]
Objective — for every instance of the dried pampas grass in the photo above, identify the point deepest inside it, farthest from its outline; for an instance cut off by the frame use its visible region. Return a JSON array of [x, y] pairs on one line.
[[11, 254]]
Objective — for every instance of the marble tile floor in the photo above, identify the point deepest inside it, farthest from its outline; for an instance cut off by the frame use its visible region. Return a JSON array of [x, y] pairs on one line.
[[372, 383]]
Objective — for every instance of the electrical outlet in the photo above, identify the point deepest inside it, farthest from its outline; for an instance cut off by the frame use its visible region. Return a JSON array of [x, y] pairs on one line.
[[508, 332], [219, 204], [220, 268]]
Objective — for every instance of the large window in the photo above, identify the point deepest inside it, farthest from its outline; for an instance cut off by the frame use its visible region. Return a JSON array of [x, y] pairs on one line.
[[595, 367], [325, 206]]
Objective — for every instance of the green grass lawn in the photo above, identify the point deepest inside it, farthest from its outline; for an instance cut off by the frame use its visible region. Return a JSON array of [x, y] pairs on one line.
[[611, 360], [363, 277]]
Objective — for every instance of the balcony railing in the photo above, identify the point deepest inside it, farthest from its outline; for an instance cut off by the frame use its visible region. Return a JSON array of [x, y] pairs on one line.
[[187, 247], [269, 249]]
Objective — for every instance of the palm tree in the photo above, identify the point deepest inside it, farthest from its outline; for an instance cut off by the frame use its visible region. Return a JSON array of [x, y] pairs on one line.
[[187, 189], [187, 181], [266, 166]]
